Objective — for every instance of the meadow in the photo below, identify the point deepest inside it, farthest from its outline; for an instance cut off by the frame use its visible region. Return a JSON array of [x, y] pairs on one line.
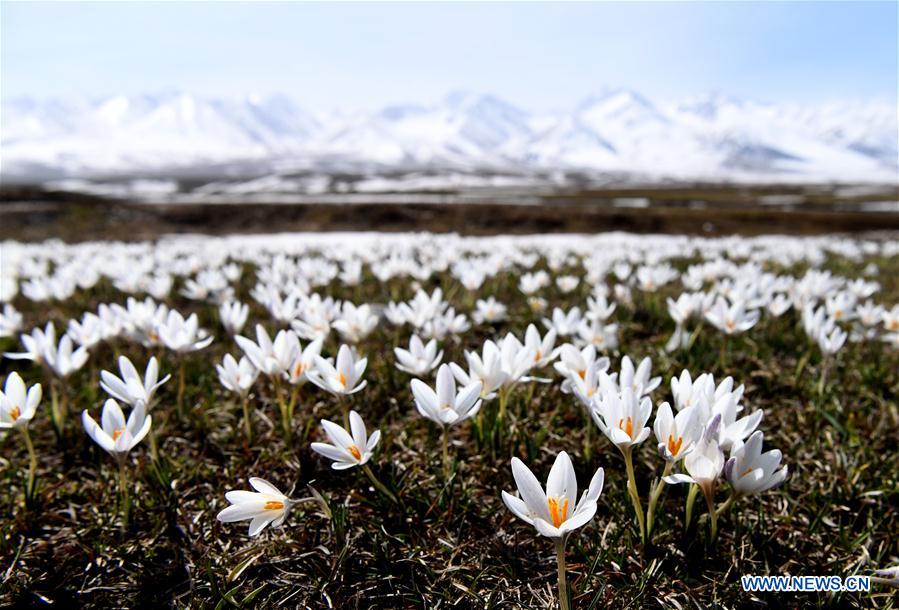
[[808, 326]]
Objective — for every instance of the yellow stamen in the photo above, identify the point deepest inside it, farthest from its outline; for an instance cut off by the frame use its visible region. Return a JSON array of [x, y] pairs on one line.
[[342, 379], [674, 446], [537, 356], [354, 450], [14, 413], [730, 325], [273, 505], [117, 433], [558, 513], [628, 428], [582, 373], [298, 370]]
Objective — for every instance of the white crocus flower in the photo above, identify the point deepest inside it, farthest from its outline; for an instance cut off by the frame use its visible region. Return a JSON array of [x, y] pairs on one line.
[[639, 380], [130, 388], [298, 373], [233, 316], [181, 334], [574, 363], [342, 378], [347, 449], [419, 359], [10, 321], [117, 436], [88, 332], [267, 505], [36, 344], [63, 360], [557, 511], [704, 465], [445, 406], [749, 471], [235, 376], [17, 406], [621, 415], [731, 319], [489, 311], [272, 359], [543, 349], [676, 434], [565, 324], [488, 370]]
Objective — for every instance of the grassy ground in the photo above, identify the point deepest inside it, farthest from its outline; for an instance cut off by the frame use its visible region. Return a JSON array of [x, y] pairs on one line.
[[451, 543]]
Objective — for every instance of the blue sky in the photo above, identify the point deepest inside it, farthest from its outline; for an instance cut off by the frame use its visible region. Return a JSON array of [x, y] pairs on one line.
[[538, 55]]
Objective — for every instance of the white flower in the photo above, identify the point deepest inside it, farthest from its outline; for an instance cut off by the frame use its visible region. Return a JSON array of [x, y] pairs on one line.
[[342, 378], [622, 416], [731, 319], [556, 512], [355, 323], [273, 359], [237, 377], [638, 380], [267, 505], [489, 311], [63, 360], [10, 321], [749, 471], [17, 406], [542, 349], [704, 464], [36, 344], [488, 370], [567, 283], [565, 324], [831, 340], [345, 449], [577, 364], [676, 434], [130, 388], [233, 316], [182, 335], [116, 436], [445, 406], [298, 373], [419, 359]]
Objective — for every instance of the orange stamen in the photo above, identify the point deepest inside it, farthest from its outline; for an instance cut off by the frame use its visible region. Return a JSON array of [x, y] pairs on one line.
[[582, 373], [628, 428], [354, 450], [558, 513], [298, 369], [674, 446], [342, 379], [273, 505], [117, 433], [748, 470], [14, 413]]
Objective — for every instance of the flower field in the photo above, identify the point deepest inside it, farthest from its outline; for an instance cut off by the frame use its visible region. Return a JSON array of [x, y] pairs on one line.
[[433, 421]]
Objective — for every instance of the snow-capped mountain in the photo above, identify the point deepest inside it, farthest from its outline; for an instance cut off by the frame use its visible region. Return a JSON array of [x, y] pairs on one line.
[[620, 131]]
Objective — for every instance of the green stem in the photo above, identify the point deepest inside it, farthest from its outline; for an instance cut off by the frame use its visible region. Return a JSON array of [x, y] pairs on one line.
[[654, 496], [123, 490], [503, 396], [632, 490], [32, 461], [563, 581], [247, 424], [55, 417], [691, 500], [180, 403], [727, 504], [823, 381], [378, 485], [446, 462], [713, 515]]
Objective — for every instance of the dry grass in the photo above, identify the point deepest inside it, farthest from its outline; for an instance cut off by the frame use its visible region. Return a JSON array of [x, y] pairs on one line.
[[451, 543]]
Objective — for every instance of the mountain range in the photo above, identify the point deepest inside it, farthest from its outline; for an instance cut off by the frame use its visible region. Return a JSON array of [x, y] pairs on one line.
[[617, 131]]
